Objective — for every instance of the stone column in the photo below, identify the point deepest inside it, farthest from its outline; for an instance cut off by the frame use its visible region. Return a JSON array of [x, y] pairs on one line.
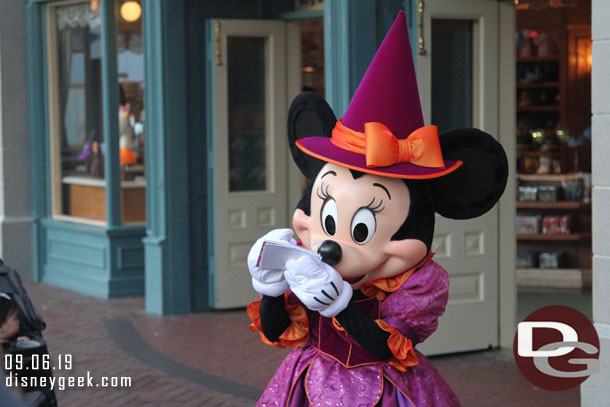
[[594, 391], [15, 215]]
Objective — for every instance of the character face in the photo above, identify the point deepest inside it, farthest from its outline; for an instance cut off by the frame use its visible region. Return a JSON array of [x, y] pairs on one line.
[[359, 216], [10, 327]]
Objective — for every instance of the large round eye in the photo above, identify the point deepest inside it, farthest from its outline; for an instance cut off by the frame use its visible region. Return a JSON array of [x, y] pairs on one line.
[[363, 226], [329, 217]]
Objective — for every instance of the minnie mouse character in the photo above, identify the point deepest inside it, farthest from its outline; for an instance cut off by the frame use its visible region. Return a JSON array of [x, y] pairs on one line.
[[377, 177]]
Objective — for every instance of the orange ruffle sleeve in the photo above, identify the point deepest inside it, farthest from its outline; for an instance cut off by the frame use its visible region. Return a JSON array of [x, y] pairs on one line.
[[401, 347], [379, 288], [294, 336]]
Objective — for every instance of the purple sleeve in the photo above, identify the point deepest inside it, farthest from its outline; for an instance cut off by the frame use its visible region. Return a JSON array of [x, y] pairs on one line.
[[415, 307]]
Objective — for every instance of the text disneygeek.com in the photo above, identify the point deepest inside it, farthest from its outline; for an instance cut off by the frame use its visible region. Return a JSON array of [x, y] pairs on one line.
[[35, 371], [62, 382]]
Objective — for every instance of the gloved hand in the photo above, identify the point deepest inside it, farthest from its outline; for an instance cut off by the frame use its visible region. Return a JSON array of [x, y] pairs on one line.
[[319, 286], [269, 282]]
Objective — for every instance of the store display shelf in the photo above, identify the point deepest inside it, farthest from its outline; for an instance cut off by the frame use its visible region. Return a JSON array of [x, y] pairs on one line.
[[543, 153], [570, 237], [541, 178], [551, 58], [537, 85], [554, 278], [553, 205], [538, 108]]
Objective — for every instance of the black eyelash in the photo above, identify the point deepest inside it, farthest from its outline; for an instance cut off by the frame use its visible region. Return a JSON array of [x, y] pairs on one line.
[[376, 208], [323, 193]]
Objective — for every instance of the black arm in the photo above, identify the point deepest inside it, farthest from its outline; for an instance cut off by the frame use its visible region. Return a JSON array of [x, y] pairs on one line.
[[365, 331], [274, 318]]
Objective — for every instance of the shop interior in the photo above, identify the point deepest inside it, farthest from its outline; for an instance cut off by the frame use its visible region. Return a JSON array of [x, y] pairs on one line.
[[553, 117], [77, 133], [553, 88]]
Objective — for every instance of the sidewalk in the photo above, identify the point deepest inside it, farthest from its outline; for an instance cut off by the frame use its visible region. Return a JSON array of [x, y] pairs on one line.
[[212, 359]]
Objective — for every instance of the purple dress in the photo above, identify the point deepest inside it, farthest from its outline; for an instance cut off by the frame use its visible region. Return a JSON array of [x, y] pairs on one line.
[[331, 369]]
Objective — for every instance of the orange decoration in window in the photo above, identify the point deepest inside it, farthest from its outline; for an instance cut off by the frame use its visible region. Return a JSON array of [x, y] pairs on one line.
[[127, 156]]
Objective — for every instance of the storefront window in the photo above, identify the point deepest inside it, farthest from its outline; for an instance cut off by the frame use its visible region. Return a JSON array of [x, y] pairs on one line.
[[78, 149], [312, 55], [75, 111], [132, 117]]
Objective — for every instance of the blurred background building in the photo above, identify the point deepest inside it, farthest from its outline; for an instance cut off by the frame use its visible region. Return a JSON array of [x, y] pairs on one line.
[[143, 147]]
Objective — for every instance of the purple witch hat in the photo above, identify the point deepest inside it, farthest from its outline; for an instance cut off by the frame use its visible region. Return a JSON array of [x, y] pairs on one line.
[[383, 129]]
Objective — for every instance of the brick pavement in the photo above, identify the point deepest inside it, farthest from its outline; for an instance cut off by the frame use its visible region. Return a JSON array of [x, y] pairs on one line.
[[212, 359]]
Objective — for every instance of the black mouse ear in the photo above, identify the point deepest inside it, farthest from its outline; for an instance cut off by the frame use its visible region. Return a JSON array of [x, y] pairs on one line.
[[309, 116], [478, 184]]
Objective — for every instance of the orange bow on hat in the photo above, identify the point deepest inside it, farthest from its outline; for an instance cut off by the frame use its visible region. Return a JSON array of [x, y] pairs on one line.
[[383, 149]]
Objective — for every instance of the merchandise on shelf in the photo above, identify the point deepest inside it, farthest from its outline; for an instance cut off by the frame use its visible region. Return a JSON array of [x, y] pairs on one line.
[[577, 187], [527, 259], [549, 193], [528, 225], [557, 225], [528, 193], [551, 260]]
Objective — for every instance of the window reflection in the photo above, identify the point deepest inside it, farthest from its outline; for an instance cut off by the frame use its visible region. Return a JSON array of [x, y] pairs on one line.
[[75, 107], [452, 73], [78, 148], [132, 116], [247, 127]]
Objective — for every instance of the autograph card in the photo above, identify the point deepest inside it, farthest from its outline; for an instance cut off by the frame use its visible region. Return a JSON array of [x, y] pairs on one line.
[[274, 255]]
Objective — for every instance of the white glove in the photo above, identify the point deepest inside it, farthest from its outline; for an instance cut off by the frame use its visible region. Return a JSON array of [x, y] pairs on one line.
[[269, 282], [319, 286]]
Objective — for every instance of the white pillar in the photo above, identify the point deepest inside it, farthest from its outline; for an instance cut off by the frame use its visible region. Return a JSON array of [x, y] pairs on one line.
[[15, 215], [594, 391]]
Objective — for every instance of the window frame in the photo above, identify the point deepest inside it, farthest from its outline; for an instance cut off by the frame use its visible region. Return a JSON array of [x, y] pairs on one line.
[[109, 116]]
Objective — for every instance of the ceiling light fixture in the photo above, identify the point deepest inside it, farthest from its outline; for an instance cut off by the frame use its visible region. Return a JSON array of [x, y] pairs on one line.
[[131, 11]]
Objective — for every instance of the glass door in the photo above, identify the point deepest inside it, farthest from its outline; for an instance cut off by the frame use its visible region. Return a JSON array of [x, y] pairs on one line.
[[457, 70], [248, 149]]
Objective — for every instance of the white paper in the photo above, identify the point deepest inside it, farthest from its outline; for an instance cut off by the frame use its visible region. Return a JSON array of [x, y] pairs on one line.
[[274, 255]]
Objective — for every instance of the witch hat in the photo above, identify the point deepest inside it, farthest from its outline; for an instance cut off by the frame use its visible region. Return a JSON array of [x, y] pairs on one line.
[[383, 129]]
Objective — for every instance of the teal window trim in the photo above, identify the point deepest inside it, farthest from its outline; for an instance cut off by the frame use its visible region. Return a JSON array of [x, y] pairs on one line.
[[195, 51], [110, 108], [300, 15], [39, 111], [167, 281], [349, 46], [336, 56], [211, 162], [74, 228], [412, 25], [155, 242], [82, 229], [38, 119], [153, 70]]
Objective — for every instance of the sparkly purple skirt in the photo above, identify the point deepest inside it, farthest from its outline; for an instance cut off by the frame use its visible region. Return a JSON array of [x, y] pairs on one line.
[[310, 378]]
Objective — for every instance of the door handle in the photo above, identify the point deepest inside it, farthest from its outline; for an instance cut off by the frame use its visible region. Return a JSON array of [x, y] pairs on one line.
[[217, 53], [421, 47]]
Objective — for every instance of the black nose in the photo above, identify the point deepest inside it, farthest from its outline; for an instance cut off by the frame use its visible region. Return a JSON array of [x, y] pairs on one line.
[[330, 252]]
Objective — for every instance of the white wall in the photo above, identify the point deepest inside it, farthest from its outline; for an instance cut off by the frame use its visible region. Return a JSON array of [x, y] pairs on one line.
[[15, 219], [595, 391]]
